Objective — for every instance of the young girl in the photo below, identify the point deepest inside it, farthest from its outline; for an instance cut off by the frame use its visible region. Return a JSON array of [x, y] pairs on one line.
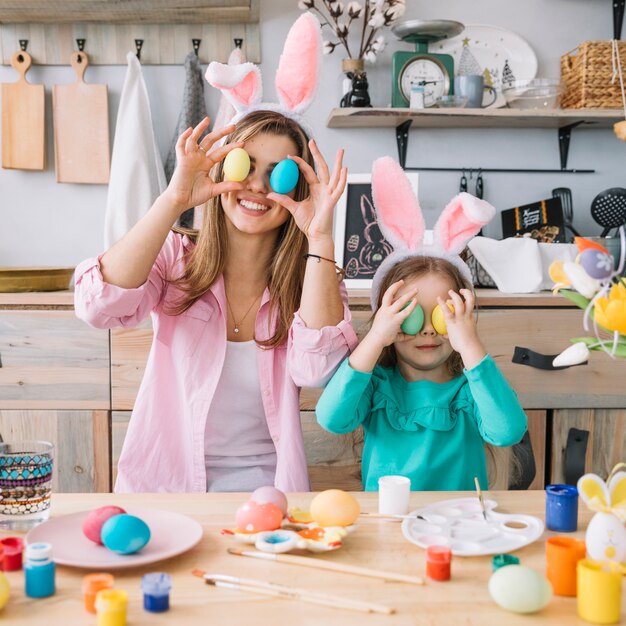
[[244, 313], [428, 397]]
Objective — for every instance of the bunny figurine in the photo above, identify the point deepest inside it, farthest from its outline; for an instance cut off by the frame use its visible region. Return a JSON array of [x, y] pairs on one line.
[[606, 534], [401, 222]]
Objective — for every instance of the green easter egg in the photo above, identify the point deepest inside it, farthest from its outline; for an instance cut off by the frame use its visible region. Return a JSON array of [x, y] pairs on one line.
[[413, 324]]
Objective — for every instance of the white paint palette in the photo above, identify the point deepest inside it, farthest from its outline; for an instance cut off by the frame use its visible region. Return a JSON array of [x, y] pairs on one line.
[[460, 525]]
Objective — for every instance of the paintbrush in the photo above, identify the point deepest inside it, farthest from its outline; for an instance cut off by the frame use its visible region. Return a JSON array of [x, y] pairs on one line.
[[252, 585], [480, 498], [391, 516], [328, 565]]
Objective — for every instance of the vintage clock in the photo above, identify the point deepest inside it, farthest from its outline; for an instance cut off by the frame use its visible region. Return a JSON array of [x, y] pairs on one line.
[[434, 72]]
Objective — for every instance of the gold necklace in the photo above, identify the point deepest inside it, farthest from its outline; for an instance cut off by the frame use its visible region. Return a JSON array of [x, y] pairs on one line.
[[237, 323]]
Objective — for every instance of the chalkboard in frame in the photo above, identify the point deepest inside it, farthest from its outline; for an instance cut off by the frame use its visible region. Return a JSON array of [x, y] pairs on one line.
[[359, 245]]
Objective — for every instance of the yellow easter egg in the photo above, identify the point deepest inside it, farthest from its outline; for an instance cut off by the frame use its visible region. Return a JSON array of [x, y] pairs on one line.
[[4, 590], [439, 321], [334, 507], [556, 273], [236, 165]]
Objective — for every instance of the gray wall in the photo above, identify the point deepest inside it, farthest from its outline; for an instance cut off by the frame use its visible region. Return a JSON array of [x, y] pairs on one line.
[[45, 223]]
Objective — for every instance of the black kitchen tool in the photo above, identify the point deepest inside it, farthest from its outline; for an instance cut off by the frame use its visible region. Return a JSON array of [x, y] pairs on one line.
[[463, 183], [565, 195], [480, 186], [609, 209]]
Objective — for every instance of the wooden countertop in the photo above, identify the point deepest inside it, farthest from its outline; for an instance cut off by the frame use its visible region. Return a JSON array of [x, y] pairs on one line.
[[376, 543], [359, 299]]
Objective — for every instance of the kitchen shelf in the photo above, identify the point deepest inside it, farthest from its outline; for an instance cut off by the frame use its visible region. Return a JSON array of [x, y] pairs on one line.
[[564, 120], [130, 11], [472, 118]]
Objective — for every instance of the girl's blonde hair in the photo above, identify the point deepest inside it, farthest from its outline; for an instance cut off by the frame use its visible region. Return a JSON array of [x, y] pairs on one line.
[[205, 263]]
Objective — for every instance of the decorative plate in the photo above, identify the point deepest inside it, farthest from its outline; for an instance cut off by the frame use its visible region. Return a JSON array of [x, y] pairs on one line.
[[460, 525], [170, 534], [500, 55]]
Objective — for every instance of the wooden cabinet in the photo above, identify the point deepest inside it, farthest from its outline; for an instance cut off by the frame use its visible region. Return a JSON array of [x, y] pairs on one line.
[[74, 385], [82, 445]]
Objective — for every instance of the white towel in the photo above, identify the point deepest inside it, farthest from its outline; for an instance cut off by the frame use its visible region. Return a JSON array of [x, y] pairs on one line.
[[137, 176], [520, 264]]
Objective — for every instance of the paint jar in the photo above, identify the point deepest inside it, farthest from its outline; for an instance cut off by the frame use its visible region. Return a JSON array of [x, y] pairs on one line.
[[39, 570], [502, 560], [599, 591], [92, 583], [438, 562], [156, 592], [13, 548], [393, 495], [111, 605], [562, 508], [562, 556]]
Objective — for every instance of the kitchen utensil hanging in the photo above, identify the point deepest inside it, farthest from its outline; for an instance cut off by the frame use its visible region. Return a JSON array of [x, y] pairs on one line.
[[608, 209], [463, 182], [23, 118], [565, 196]]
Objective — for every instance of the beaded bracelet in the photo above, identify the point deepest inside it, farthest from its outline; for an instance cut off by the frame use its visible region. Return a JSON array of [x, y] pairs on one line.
[[340, 271]]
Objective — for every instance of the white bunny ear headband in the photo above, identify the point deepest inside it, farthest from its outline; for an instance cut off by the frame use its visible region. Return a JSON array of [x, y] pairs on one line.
[[401, 222], [296, 79]]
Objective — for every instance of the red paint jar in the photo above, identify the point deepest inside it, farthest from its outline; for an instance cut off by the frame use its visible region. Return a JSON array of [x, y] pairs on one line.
[[438, 562], [13, 548]]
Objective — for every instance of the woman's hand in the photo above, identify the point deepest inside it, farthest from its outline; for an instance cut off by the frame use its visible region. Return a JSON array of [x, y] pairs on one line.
[[391, 314], [191, 183], [461, 325], [314, 215]]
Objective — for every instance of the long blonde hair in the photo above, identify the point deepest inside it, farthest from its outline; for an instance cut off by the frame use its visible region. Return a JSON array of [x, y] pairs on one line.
[[205, 263]]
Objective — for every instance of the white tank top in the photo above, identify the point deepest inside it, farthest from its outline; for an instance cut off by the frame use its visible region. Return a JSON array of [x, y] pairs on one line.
[[239, 453]]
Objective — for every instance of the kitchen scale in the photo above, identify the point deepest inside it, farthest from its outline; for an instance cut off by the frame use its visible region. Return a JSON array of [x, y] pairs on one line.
[[433, 72]]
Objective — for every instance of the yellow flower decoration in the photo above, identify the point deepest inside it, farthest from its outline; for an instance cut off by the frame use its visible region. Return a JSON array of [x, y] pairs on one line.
[[610, 312], [556, 273]]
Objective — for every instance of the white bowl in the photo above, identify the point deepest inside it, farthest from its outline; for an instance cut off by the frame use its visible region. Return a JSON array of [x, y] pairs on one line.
[[538, 93]]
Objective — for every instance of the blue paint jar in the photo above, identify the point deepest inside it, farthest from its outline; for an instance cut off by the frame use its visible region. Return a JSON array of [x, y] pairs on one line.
[[562, 508], [39, 570], [156, 592]]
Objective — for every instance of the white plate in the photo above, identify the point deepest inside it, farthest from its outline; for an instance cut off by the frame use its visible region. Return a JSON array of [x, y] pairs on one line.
[[170, 534], [491, 47], [459, 524]]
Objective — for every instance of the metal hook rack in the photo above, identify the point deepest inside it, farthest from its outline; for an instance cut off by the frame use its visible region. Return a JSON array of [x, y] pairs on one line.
[[80, 43], [238, 42], [564, 134], [196, 45], [138, 46]]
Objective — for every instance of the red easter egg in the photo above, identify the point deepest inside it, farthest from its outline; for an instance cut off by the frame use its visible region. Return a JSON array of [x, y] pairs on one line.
[[92, 525], [254, 517]]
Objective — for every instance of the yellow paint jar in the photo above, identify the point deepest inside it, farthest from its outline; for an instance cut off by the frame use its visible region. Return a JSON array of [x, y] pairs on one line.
[[111, 607], [599, 591]]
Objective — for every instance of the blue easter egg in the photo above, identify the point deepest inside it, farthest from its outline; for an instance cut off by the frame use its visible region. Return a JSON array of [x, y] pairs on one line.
[[596, 263], [413, 324], [125, 534], [284, 176]]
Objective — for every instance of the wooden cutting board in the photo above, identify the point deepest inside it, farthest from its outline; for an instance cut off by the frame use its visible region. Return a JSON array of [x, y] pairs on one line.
[[23, 112], [81, 128]]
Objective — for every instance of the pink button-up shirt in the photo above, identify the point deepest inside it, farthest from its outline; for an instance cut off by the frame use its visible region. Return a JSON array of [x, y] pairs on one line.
[[164, 445]]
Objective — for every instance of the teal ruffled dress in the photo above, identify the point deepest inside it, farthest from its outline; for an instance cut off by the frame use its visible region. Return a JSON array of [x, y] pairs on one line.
[[432, 433]]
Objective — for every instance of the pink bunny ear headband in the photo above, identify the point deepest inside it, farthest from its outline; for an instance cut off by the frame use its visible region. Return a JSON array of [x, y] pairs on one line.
[[296, 79], [401, 222]]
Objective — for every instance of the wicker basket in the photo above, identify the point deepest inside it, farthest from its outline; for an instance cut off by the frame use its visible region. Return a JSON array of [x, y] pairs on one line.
[[586, 74]]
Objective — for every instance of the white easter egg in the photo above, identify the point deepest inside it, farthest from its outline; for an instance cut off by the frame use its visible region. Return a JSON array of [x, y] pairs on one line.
[[606, 538], [519, 589]]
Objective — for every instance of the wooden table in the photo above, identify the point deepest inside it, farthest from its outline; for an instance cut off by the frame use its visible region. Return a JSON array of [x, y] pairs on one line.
[[376, 543]]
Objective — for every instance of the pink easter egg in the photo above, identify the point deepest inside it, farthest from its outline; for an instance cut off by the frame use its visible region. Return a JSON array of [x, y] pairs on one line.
[[92, 524], [253, 517], [596, 263], [270, 494]]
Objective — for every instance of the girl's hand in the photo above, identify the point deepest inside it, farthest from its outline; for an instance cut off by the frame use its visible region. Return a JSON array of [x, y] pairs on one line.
[[191, 184], [461, 325], [390, 315], [314, 215]]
